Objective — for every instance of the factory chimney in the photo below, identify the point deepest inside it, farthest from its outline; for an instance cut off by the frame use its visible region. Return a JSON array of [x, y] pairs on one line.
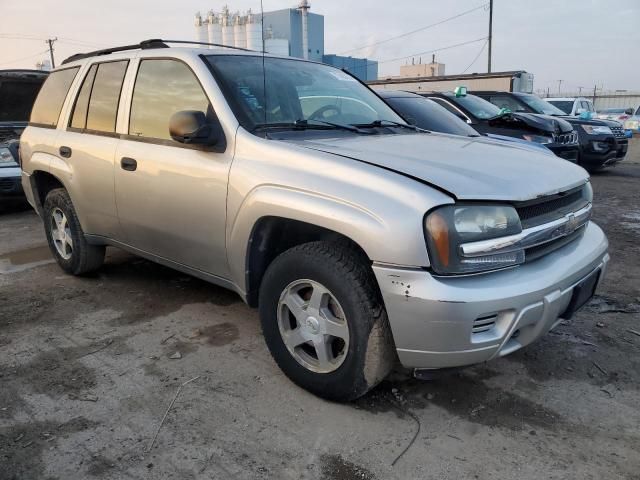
[[304, 10]]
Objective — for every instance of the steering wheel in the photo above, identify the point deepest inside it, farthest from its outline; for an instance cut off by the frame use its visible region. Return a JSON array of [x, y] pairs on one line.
[[319, 114]]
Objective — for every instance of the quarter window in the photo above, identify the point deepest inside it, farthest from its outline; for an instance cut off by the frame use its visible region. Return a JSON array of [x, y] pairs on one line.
[[162, 88], [48, 105]]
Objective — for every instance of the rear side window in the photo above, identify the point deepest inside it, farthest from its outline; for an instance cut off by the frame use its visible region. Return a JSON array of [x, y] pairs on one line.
[[79, 117], [163, 87], [96, 107], [48, 105]]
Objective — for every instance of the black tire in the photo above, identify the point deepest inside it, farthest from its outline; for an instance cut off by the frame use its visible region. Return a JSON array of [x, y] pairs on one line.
[[346, 273], [84, 258]]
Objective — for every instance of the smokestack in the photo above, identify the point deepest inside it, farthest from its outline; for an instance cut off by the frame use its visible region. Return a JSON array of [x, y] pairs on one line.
[[304, 10]]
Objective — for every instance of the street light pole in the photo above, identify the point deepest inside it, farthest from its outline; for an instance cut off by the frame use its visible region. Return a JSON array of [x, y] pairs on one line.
[[490, 35]]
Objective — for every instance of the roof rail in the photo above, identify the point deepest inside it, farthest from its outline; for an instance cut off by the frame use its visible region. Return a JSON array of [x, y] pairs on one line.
[[145, 45]]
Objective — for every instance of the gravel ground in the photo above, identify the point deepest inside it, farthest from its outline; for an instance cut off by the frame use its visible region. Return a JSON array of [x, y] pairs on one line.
[[88, 370]]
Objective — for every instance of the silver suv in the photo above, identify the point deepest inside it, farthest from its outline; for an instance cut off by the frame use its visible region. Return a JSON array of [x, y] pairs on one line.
[[361, 239]]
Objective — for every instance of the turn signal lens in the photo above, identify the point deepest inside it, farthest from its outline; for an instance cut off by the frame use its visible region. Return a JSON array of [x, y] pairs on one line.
[[439, 232]]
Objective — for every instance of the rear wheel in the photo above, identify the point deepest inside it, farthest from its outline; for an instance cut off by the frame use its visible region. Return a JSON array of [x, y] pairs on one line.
[[324, 320], [66, 238]]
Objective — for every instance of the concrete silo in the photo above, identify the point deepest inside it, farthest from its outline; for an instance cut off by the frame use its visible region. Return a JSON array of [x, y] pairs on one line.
[[214, 29], [253, 28]]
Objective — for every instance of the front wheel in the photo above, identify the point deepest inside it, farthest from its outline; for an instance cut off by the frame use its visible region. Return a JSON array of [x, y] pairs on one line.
[[324, 320], [66, 238]]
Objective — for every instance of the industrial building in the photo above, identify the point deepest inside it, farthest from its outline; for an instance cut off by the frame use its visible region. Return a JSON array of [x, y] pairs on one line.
[[294, 32]]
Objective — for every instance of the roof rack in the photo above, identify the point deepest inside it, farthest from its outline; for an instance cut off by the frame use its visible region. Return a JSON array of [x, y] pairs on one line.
[[145, 45]]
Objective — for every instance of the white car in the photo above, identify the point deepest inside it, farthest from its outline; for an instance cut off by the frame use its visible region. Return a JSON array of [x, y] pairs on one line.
[[573, 105]]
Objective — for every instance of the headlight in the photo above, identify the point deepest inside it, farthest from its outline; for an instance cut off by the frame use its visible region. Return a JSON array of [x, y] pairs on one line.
[[538, 139], [449, 227], [6, 158], [597, 130], [632, 124]]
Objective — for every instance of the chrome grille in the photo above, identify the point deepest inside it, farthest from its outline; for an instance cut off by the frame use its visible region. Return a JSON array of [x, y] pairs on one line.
[[566, 138], [551, 208], [618, 132]]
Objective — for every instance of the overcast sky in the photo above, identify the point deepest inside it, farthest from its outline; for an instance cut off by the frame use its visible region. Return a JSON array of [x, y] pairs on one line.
[[582, 42]]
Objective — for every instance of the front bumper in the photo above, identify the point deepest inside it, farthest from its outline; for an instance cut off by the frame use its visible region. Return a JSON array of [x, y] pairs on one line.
[[10, 184], [440, 322], [566, 152]]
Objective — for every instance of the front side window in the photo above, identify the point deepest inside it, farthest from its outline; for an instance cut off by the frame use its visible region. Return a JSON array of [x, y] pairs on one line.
[[288, 91], [162, 88], [48, 105]]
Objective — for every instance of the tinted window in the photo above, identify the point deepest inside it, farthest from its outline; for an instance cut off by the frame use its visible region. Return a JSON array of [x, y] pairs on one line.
[[16, 98], [48, 105], [446, 105], [478, 107], [105, 94], [163, 87], [79, 117], [539, 105], [426, 114], [565, 105], [503, 101]]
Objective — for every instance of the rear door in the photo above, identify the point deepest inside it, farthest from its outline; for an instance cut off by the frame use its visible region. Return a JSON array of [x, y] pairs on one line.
[[171, 197], [87, 148]]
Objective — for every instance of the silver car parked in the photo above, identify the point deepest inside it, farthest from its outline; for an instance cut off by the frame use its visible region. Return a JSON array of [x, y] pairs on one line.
[[361, 239]]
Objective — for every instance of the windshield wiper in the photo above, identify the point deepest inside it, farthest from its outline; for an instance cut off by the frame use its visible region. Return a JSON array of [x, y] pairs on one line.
[[302, 124], [387, 123]]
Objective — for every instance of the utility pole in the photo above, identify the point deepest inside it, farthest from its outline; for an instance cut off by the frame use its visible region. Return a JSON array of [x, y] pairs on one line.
[[50, 42], [559, 86], [580, 91], [490, 35], [548, 92], [595, 90]]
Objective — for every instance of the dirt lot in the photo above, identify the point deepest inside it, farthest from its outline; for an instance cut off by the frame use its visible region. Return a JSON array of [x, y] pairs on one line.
[[87, 373]]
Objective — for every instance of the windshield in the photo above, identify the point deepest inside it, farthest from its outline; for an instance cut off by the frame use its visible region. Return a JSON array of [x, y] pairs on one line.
[[16, 99], [565, 105], [539, 105], [427, 114], [296, 91], [478, 107]]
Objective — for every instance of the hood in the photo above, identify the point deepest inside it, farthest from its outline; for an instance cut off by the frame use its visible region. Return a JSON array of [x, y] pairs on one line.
[[545, 123], [466, 168], [591, 121]]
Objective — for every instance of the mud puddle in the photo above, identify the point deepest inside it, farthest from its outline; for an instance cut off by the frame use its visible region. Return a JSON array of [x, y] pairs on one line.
[[25, 259]]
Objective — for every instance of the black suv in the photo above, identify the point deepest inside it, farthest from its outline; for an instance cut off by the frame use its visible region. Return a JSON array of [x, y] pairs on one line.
[[554, 133], [602, 142], [18, 91]]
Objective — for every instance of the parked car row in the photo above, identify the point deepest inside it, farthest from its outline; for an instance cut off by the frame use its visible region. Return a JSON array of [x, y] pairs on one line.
[[362, 239], [594, 144]]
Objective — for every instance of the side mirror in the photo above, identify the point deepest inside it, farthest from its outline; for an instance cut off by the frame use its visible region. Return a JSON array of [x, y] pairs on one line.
[[191, 127], [629, 111]]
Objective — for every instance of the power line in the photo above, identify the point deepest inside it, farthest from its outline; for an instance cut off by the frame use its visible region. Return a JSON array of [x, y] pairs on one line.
[[477, 56], [415, 31], [25, 58], [435, 50]]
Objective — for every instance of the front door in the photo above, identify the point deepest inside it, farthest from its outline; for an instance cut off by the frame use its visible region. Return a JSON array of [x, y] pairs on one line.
[[171, 198]]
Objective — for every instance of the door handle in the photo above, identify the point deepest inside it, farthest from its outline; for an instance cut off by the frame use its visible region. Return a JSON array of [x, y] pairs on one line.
[[65, 151], [128, 164]]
